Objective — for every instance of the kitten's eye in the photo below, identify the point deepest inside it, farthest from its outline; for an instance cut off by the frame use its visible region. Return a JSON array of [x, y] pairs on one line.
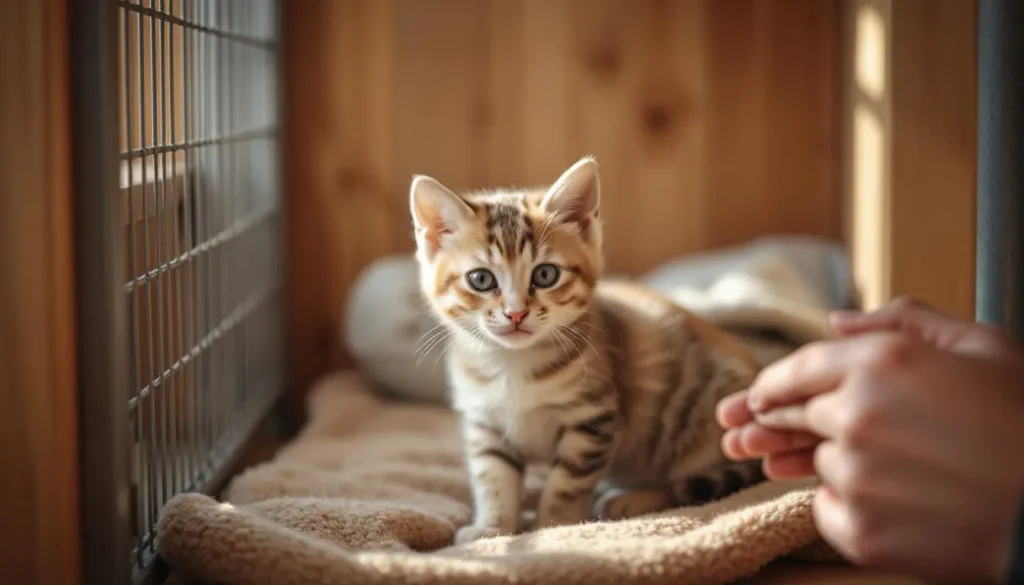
[[545, 275], [481, 280]]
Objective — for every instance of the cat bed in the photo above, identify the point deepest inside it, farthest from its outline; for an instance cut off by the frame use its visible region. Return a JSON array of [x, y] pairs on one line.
[[372, 491]]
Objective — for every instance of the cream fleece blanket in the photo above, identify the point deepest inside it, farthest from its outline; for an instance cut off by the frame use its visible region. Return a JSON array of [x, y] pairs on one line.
[[372, 492]]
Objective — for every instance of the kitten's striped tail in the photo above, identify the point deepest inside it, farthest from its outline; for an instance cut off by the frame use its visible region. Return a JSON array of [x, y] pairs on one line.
[[717, 483]]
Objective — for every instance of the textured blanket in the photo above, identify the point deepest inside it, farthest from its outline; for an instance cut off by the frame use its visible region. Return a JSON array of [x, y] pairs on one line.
[[372, 492]]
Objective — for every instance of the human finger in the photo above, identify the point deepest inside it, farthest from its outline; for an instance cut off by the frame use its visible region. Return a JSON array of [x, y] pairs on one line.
[[754, 440], [732, 411], [812, 369], [759, 440], [930, 326], [904, 314], [732, 447], [832, 465], [827, 415], [789, 464], [791, 417], [833, 519]]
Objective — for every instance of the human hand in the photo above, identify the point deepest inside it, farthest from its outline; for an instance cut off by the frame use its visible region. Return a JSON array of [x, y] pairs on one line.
[[905, 315], [789, 453], [913, 421]]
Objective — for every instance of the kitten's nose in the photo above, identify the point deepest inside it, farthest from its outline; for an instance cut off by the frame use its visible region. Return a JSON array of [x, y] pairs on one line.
[[517, 316]]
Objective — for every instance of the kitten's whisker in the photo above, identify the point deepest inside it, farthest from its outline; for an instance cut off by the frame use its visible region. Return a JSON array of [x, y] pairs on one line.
[[432, 337], [430, 343], [591, 324], [565, 343], [576, 348], [562, 331], [419, 360], [582, 337], [432, 329], [426, 350], [443, 351], [436, 340], [471, 328], [479, 338], [562, 342]]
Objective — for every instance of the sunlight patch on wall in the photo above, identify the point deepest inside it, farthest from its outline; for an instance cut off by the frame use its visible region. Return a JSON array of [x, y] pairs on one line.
[[870, 209], [868, 155], [870, 52]]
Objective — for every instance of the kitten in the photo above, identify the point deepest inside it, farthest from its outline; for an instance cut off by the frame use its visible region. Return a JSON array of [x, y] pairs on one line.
[[609, 382]]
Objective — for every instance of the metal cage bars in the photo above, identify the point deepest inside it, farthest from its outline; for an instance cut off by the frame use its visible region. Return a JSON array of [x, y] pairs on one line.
[[206, 363], [179, 254], [101, 320]]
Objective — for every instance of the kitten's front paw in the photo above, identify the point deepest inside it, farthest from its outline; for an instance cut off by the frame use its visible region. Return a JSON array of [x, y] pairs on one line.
[[472, 533], [622, 504]]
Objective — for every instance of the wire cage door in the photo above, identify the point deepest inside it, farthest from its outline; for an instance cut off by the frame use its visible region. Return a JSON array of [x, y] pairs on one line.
[[193, 245]]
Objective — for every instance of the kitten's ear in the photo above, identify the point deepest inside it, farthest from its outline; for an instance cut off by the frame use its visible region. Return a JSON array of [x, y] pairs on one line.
[[436, 211], [576, 195]]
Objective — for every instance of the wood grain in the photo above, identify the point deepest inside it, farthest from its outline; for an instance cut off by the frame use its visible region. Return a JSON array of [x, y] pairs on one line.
[[912, 223], [38, 412], [714, 121], [773, 128], [934, 157]]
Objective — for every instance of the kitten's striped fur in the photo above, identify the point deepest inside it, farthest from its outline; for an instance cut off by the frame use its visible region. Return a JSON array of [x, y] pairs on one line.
[[614, 385]]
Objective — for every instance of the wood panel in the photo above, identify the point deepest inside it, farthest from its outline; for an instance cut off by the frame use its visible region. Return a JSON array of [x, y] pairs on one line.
[[910, 155], [774, 125], [38, 416], [935, 134], [714, 121]]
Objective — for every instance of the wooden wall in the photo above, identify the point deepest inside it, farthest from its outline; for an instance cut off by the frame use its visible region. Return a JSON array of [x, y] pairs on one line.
[[910, 149], [935, 150], [714, 121], [39, 494]]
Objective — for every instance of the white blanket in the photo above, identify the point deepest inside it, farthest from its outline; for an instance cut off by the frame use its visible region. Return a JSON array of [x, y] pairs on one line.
[[773, 293]]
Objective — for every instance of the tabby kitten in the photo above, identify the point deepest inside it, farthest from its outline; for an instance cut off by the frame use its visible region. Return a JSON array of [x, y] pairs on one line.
[[609, 382]]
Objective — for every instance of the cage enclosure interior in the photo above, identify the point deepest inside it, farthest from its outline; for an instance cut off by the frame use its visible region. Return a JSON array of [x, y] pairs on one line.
[[206, 205], [199, 211], [202, 203]]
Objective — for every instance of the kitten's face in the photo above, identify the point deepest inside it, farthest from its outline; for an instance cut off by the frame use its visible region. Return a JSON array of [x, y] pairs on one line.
[[510, 268]]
